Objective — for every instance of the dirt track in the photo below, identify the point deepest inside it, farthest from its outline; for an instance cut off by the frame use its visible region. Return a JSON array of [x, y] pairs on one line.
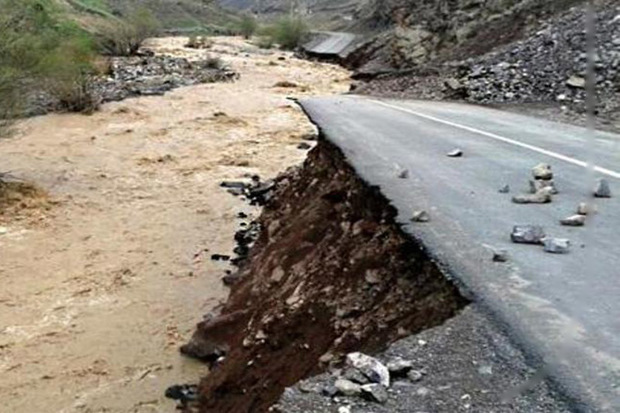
[[100, 288]]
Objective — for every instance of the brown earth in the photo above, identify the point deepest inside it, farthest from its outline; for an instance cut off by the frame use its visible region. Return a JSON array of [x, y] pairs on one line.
[[104, 279], [330, 273]]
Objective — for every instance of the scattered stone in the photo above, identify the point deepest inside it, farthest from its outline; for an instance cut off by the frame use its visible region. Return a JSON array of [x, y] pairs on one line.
[[329, 391], [456, 153], [504, 189], [602, 189], [423, 391], [500, 256], [543, 196], [344, 409], [347, 388], [370, 367], [539, 184], [577, 82], [527, 234], [453, 84], [304, 146], [420, 216], [404, 174], [556, 245], [415, 375], [574, 221], [355, 376], [542, 171], [242, 215], [583, 209], [372, 277], [399, 367], [485, 370], [375, 392]]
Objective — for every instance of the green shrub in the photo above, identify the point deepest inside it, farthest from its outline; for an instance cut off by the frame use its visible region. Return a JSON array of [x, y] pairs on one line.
[[248, 26], [68, 72], [289, 32], [125, 37], [41, 51]]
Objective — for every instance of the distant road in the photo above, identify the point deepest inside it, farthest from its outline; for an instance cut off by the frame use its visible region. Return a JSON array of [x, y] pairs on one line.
[[331, 44], [562, 308]]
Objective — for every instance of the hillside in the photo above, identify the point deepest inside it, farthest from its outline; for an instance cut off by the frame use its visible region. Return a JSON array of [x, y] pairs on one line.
[[326, 13], [173, 14]]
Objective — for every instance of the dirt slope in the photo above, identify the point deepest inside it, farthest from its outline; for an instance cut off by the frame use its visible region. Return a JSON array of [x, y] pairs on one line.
[[330, 273], [107, 276]]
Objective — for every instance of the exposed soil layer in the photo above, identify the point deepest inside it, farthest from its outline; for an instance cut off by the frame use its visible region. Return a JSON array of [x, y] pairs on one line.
[[330, 273]]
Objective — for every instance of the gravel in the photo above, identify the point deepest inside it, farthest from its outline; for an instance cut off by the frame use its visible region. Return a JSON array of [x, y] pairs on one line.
[[468, 365]]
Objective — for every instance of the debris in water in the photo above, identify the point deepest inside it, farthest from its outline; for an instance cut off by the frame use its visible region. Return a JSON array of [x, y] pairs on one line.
[[184, 393], [574, 221], [220, 257], [556, 245], [234, 184], [527, 234], [304, 146], [602, 189], [420, 216]]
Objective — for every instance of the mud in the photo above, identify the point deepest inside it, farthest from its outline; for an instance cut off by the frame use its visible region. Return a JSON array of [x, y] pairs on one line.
[[330, 273], [100, 290]]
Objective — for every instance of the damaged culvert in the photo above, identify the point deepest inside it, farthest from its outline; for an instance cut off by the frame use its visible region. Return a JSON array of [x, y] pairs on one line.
[[330, 273]]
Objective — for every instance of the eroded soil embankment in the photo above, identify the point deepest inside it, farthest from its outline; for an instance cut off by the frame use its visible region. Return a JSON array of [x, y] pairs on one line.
[[330, 273]]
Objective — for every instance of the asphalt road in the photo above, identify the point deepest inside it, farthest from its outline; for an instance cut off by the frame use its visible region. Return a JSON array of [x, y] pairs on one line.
[[327, 44], [563, 309]]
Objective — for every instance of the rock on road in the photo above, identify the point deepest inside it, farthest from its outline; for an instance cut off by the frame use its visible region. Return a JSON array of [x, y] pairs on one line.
[[562, 309]]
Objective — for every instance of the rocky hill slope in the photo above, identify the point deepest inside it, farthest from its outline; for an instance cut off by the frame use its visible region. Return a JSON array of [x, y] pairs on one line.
[[532, 53]]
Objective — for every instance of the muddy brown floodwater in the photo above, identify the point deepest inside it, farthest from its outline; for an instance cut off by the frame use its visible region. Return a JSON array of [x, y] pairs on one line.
[[103, 280]]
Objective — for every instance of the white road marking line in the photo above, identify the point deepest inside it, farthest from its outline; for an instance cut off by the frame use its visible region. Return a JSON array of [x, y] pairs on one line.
[[552, 154]]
